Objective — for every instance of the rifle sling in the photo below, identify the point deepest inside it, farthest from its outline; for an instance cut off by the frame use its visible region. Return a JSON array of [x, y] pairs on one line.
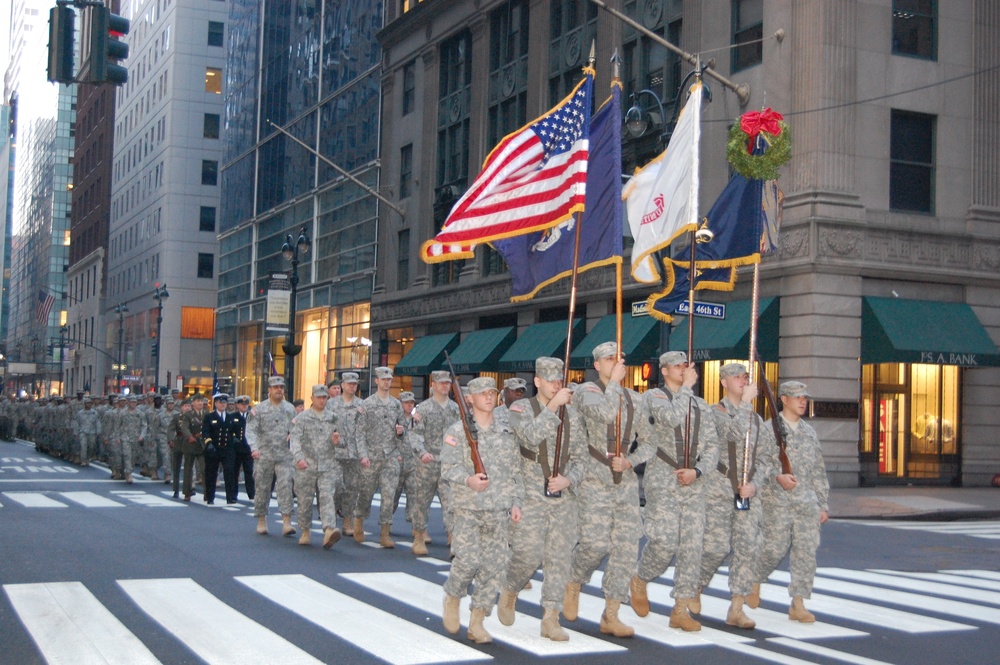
[[616, 476], [542, 456]]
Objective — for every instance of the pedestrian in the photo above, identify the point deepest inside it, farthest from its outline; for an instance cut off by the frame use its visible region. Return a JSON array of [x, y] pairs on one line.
[[547, 531], [267, 433], [484, 505], [608, 496], [675, 490], [314, 443], [794, 505], [349, 410], [244, 460]]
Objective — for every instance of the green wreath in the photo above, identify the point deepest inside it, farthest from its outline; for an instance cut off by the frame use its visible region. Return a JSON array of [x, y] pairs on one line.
[[759, 167]]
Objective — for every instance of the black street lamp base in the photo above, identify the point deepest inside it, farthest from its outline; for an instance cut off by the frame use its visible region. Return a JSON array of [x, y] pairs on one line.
[[291, 349]]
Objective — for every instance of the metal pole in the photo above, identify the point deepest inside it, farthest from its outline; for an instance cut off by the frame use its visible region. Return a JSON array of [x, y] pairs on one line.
[[121, 344], [290, 339], [159, 343], [62, 347]]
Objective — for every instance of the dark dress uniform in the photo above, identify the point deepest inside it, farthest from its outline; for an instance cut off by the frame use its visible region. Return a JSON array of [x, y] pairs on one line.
[[222, 433]]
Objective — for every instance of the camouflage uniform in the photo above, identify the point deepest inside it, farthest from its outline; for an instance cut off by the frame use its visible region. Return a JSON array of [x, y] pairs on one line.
[[480, 519], [791, 518], [267, 432], [384, 449], [610, 522], [547, 532], [675, 514], [349, 416], [413, 450], [164, 438], [434, 421], [311, 441], [87, 428], [132, 432], [192, 447]]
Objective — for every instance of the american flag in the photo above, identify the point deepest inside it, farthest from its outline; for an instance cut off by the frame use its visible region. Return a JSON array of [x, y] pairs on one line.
[[533, 179], [45, 301]]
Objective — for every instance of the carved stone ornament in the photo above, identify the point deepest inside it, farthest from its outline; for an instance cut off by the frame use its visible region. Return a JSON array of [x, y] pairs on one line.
[[987, 257], [840, 242], [795, 243]]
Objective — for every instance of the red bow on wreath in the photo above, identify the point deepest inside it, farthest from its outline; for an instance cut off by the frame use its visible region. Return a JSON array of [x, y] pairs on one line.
[[754, 122]]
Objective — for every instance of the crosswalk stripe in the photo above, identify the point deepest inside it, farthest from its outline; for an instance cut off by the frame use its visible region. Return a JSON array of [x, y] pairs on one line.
[[34, 500], [913, 585], [904, 598], [945, 577], [524, 634], [986, 530], [826, 651], [984, 574], [69, 625], [379, 633], [91, 500], [230, 637], [144, 499], [856, 611]]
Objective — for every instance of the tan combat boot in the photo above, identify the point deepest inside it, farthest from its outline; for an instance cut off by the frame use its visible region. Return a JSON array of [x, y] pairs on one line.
[[551, 628], [753, 600], [477, 631], [330, 537], [359, 530], [505, 608], [286, 526], [305, 538], [694, 604], [571, 601], [384, 540], [798, 611], [348, 529], [419, 544], [427, 537], [680, 618], [262, 526], [736, 617], [640, 601], [611, 624], [450, 614]]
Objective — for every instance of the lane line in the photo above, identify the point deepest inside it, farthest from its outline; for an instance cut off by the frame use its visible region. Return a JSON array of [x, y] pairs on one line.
[[379, 633], [69, 625], [214, 631]]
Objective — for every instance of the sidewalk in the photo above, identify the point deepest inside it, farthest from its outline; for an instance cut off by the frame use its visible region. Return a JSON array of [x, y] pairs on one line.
[[915, 503]]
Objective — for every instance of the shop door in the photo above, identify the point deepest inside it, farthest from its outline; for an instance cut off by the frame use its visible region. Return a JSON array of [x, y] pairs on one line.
[[891, 428]]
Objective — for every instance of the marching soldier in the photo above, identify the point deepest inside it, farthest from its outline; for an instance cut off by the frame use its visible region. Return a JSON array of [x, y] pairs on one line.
[[726, 528], [222, 431], [349, 411], [191, 442], [314, 447], [414, 454], [795, 505], [513, 390], [484, 504], [178, 442], [244, 460], [675, 489], [267, 433], [165, 438], [87, 428], [610, 523], [547, 532], [381, 456], [131, 432]]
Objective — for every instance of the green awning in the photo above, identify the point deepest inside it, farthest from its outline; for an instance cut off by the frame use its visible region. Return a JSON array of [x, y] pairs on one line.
[[896, 330], [426, 354], [730, 337], [481, 350], [640, 340], [540, 339]]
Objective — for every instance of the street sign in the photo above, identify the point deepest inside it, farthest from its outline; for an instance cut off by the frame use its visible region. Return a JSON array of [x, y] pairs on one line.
[[709, 310]]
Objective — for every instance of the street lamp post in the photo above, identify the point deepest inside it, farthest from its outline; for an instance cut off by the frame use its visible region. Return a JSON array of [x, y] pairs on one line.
[[159, 296], [62, 350], [121, 309], [291, 253]]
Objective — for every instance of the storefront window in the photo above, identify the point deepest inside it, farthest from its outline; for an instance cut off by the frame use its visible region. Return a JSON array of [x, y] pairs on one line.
[[350, 340]]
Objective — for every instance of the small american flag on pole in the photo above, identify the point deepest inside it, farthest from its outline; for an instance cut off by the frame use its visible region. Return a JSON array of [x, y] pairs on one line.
[[533, 179], [45, 301]]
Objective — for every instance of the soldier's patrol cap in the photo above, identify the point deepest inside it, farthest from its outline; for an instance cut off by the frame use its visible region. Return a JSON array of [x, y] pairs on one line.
[[86, 399], [319, 390], [198, 397], [604, 350], [383, 373], [793, 389], [671, 358], [187, 401], [515, 384], [732, 369], [334, 382], [407, 396], [276, 381], [482, 384], [170, 400], [243, 399], [133, 398], [441, 375], [548, 368], [349, 377], [224, 397]]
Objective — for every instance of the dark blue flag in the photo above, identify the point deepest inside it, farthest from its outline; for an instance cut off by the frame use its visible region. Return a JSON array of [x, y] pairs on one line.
[[541, 258]]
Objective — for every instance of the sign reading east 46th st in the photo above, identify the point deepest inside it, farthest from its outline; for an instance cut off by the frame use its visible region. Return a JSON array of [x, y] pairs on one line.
[[709, 310]]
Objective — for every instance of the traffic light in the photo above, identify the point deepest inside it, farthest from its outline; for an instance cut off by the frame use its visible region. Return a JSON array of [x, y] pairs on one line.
[[105, 47], [154, 348], [62, 20]]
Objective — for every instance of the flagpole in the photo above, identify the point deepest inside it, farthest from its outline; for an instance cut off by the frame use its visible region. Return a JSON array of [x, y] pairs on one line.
[[740, 502], [693, 212]]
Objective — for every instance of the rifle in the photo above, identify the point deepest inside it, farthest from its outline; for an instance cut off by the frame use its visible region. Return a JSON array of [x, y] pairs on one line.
[[555, 457], [779, 433], [467, 423]]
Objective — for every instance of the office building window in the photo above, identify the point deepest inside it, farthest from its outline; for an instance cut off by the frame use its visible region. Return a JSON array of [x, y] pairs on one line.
[[209, 172], [409, 86], [911, 162], [914, 28], [206, 266], [572, 28], [211, 126], [206, 219], [748, 26], [216, 32], [403, 257], [197, 322], [213, 80], [406, 171]]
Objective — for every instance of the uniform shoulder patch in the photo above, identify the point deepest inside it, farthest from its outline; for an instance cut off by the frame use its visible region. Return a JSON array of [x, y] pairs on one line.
[[450, 440], [721, 408], [517, 407], [593, 388], [658, 394]]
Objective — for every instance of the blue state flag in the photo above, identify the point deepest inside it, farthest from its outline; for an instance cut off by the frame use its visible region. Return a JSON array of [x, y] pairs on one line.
[[540, 258]]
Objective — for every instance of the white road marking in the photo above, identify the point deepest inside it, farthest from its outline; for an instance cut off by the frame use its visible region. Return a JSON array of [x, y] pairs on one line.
[[826, 652], [947, 578], [34, 500], [145, 499], [914, 585], [71, 626], [91, 500]]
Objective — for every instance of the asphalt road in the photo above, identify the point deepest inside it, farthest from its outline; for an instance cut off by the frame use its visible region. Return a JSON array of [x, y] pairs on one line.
[[97, 571]]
